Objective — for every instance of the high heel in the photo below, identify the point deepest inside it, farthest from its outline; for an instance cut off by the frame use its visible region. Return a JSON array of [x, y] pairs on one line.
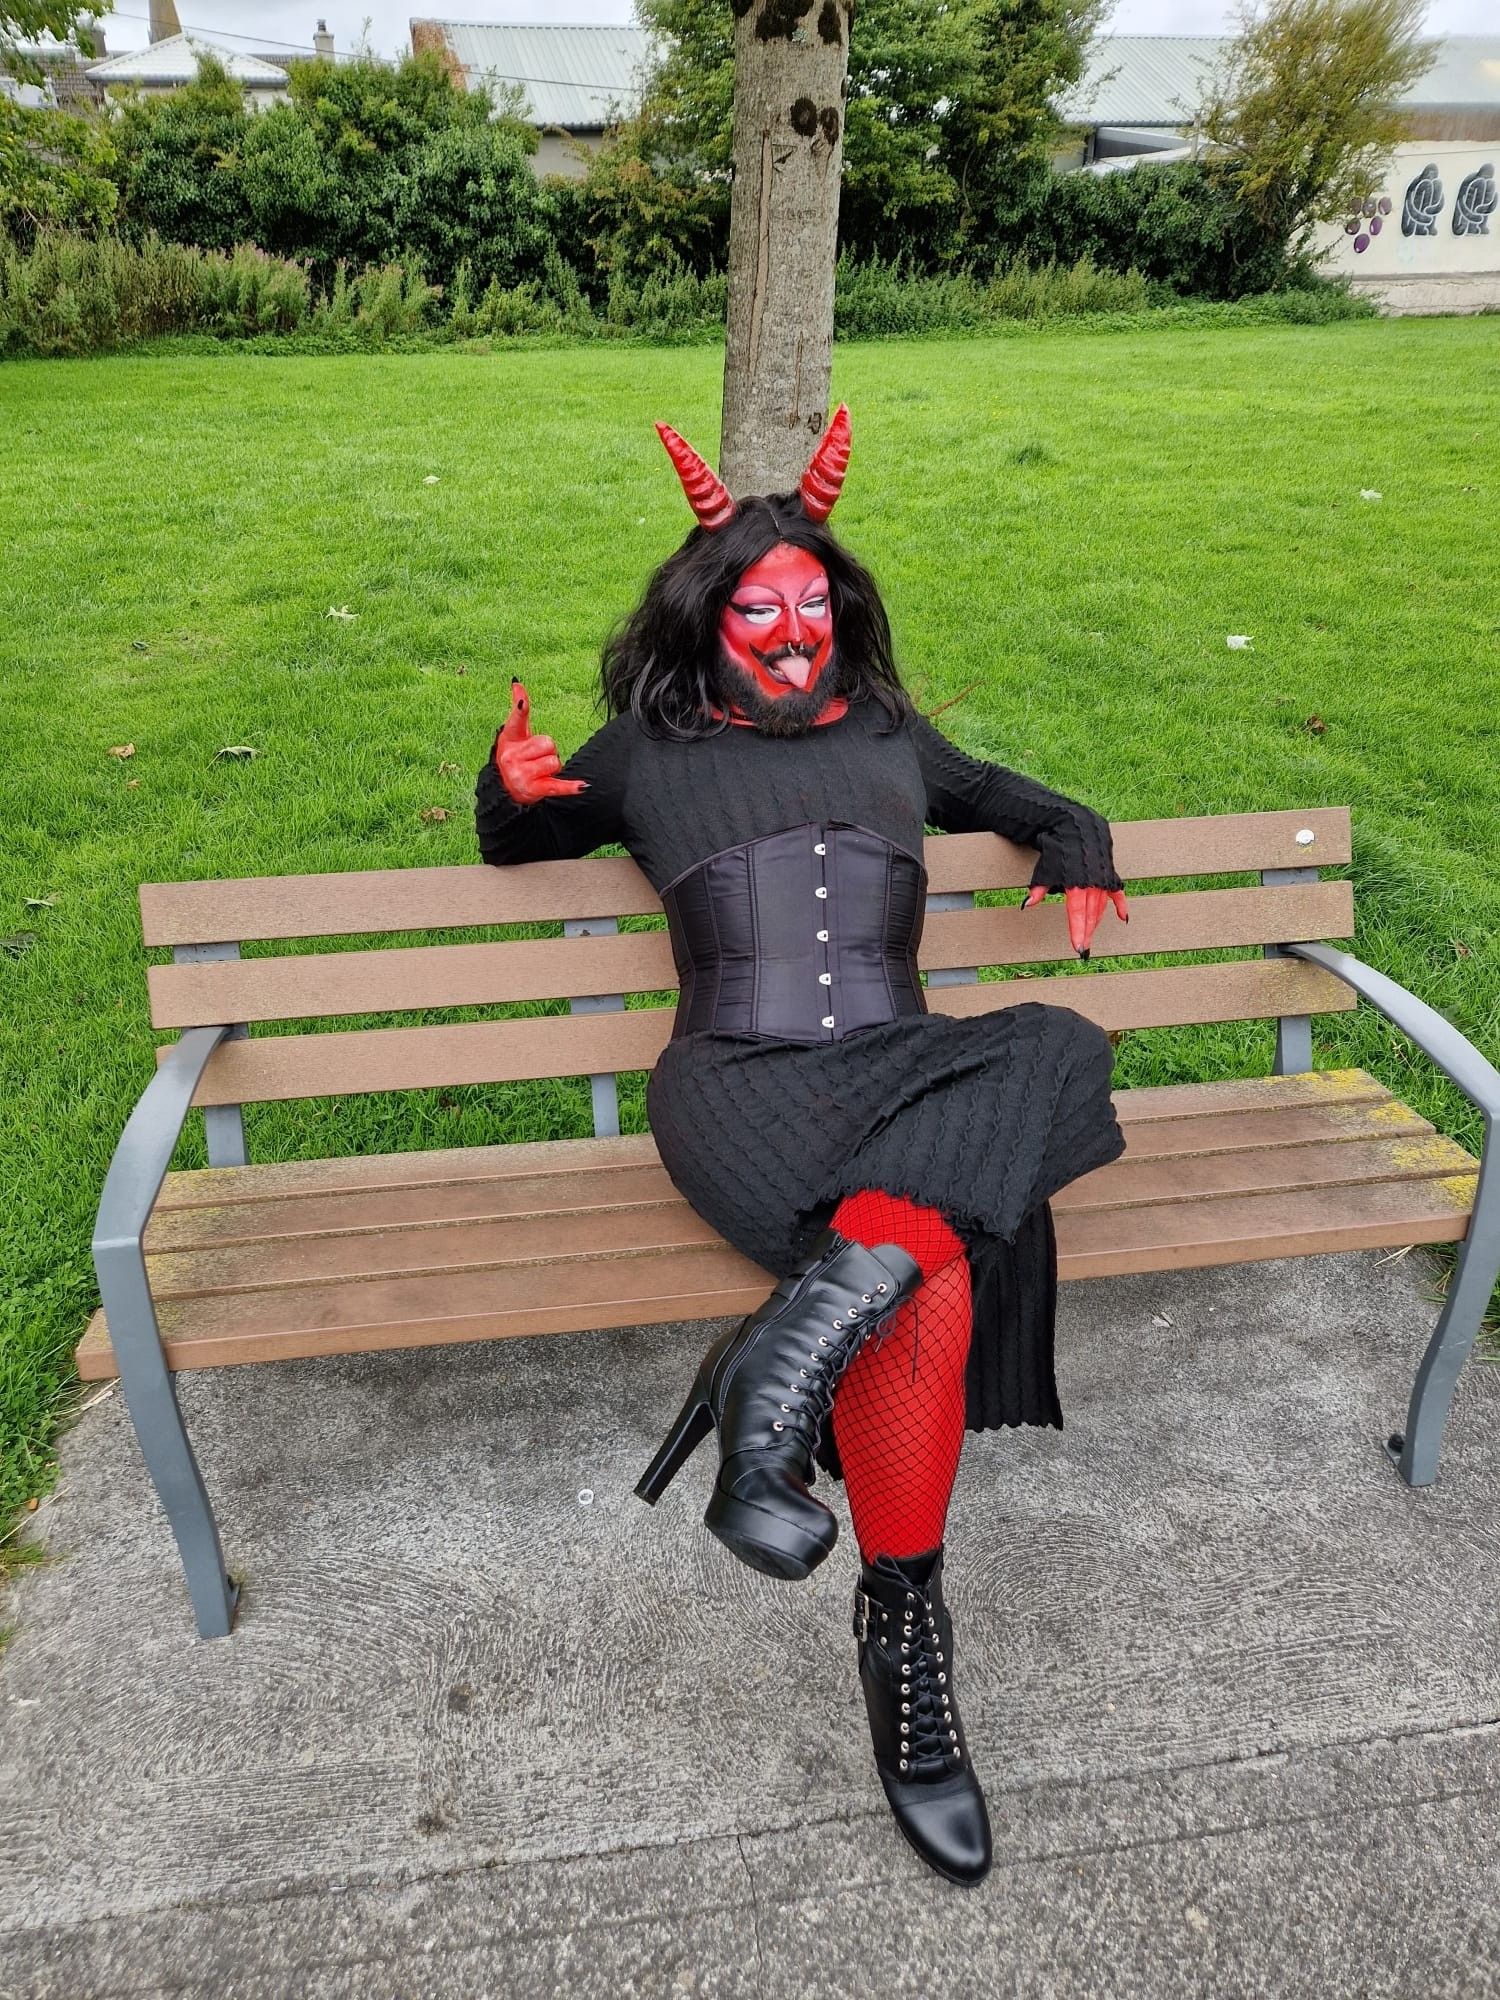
[[768, 1386], [684, 1438]]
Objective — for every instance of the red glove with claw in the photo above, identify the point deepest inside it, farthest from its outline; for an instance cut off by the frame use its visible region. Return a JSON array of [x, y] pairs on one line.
[[528, 765], [1085, 907]]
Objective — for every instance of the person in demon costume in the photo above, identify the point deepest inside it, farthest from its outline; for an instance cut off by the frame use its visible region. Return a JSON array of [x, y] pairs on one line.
[[768, 772]]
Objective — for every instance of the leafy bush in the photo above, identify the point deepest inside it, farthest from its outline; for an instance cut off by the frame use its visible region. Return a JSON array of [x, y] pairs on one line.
[[470, 197], [876, 301], [1173, 223], [180, 162]]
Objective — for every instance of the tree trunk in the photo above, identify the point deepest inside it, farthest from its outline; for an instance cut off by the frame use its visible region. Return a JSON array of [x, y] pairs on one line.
[[791, 58]]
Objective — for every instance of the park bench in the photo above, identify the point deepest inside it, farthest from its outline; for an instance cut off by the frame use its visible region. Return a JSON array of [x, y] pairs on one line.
[[236, 1263]]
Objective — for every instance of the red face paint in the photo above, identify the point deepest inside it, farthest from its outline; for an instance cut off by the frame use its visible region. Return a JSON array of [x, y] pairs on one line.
[[778, 624]]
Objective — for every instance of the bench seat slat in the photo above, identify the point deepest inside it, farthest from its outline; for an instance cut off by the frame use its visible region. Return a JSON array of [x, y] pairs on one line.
[[211, 1187], [271, 1068], [423, 899], [507, 1243], [640, 1181], [713, 1281], [467, 975]]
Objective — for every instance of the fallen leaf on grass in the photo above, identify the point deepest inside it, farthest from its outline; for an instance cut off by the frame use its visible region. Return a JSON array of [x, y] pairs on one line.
[[243, 751], [431, 479], [1315, 726], [341, 611], [18, 944], [1237, 641], [122, 750], [1368, 493], [449, 770], [132, 784], [50, 903], [139, 646], [1460, 949], [433, 815], [32, 1504]]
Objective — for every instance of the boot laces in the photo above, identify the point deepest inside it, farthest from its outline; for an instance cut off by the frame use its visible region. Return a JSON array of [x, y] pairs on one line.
[[813, 1390], [930, 1745]]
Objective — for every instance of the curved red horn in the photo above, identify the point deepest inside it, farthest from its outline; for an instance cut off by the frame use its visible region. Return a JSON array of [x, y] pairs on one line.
[[823, 480], [708, 496]]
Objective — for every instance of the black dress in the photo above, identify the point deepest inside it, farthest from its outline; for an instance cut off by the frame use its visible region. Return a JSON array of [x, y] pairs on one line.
[[983, 1118]]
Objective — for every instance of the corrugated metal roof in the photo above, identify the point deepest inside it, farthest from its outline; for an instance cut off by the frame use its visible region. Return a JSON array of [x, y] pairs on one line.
[[1158, 79], [175, 60], [576, 77]]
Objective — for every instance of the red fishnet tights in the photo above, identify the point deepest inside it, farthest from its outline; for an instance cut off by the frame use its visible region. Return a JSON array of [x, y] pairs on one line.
[[898, 1417]]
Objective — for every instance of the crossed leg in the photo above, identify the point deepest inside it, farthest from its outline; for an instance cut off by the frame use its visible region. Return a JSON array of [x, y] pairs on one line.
[[898, 1417]]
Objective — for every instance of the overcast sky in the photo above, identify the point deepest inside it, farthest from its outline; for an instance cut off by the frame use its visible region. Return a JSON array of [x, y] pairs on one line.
[[290, 23]]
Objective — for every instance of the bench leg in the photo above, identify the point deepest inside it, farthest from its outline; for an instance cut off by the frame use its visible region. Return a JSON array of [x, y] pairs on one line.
[[1469, 1291], [151, 1398]]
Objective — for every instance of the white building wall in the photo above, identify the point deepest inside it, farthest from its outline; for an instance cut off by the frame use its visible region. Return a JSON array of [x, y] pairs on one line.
[[1429, 241]]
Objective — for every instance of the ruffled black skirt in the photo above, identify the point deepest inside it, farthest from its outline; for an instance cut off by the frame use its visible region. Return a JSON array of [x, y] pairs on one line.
[[983, 1119]]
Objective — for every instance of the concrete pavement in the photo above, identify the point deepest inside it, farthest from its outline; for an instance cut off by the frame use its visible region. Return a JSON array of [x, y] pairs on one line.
[[488, 1725]]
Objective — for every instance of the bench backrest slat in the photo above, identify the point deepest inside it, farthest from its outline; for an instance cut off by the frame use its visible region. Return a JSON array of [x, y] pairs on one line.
[[308, 986], [278, 1067], [426, 899]]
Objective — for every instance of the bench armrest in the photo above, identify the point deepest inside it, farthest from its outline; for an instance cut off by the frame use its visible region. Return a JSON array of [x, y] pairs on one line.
[[146, 1145], [1453, 1052]]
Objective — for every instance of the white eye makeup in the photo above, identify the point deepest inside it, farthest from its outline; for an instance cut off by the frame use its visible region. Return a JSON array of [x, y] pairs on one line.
[[757, 614]]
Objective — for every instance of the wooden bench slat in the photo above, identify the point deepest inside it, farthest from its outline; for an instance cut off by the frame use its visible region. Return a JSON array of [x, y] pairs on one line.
[[425, 899], [438, 1244], [273, 1068], [711, 1282], [642, 1182], [211, 1187], [396, 980]]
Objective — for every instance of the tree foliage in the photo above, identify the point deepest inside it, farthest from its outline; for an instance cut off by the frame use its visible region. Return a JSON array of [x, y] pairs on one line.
[[54, 168], [948, 111], [1305, 112]]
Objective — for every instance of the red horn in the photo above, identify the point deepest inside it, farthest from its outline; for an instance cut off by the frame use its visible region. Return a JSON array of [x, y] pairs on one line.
[[823, 480], [708, 496]]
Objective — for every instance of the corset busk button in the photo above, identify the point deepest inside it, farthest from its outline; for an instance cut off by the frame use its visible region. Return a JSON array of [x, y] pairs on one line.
[[820, 847], [828, 1020], [825, 979], [822, 937], [821, 894]]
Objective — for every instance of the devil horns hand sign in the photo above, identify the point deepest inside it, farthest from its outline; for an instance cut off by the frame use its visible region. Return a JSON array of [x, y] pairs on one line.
[[528, 765]]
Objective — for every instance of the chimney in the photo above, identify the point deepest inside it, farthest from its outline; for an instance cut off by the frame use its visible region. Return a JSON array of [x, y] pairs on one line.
[[164, 21], [323, 41]]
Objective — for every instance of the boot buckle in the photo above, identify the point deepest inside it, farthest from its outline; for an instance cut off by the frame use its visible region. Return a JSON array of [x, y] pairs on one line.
[[864, 1610]]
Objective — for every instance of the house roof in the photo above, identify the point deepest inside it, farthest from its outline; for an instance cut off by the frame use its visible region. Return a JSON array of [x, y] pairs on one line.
[[175, 60], [580, 78], [1158, 79]]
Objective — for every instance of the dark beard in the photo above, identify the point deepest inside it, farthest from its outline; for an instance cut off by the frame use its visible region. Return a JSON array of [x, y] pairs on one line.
[[789, 714]]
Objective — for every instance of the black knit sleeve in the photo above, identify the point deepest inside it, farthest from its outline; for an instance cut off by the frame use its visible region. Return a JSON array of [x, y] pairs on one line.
[[965, 795], [558, 829]]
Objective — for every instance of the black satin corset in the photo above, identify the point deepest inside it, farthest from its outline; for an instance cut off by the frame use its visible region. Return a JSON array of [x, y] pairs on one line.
[[803, 936]]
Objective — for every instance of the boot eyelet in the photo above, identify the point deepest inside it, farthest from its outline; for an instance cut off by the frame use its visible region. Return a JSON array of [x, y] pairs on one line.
[[906, 1708], [869, 1301], [823, 1337], [778, 1426], [786, 1409], [838, 1327], [882, 1288], [906, 1729], [952, 1735], [803, 1373], [903, 1763], [942, 1680]]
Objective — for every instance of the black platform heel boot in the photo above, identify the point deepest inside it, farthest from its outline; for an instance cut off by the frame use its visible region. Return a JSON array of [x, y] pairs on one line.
[[906, 1668], [768, 1386]]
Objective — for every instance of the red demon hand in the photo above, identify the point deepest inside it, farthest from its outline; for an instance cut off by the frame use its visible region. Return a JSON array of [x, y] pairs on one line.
[[1085, 907], [528, 765]]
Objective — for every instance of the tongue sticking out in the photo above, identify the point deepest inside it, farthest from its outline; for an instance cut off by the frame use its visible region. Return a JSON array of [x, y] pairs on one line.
[[796, 667]]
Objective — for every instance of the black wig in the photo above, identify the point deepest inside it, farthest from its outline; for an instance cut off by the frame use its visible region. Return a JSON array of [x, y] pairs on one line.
[[661, 663]]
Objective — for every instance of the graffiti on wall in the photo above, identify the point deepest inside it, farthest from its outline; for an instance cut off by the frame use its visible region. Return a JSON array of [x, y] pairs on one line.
[[1474, 203], [1423, 204]]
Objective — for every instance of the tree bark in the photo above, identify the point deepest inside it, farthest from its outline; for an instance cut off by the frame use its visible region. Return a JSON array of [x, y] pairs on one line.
[[791, 58]]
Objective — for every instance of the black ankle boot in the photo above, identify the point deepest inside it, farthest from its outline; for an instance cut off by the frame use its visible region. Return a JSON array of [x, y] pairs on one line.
[[768, 1385], [906, 1668]]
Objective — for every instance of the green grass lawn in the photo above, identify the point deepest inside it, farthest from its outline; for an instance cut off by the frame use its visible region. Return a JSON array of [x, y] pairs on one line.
[[1073, 522]]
